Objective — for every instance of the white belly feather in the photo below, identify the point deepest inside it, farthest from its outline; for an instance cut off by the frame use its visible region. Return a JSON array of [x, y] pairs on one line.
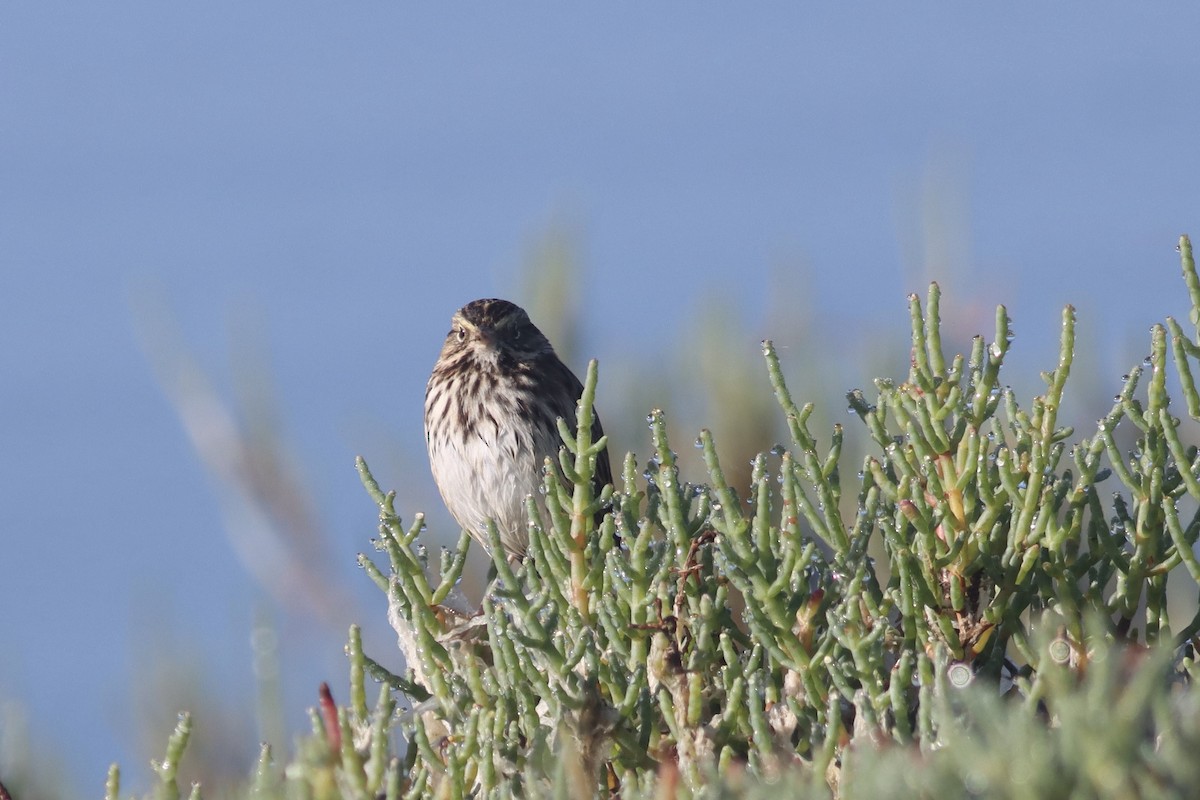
[[489, 476]]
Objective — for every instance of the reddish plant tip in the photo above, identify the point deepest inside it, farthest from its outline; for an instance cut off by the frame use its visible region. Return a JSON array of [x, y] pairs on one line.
[[333, 731]]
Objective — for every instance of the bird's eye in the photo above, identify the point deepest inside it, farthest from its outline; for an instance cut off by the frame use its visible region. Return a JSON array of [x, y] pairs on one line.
[[460, 333]]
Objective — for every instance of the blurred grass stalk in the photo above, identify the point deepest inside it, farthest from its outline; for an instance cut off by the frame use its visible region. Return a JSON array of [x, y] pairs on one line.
[[270, 523]]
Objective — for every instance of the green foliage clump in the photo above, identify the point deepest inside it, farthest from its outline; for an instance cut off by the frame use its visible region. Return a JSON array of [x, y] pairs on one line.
[[993, 618]]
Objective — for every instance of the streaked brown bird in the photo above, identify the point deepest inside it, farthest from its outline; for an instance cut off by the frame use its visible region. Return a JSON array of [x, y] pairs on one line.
[[491, 410]]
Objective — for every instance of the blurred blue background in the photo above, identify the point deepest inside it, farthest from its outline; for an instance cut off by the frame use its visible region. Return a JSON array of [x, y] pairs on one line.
[[310, 190]]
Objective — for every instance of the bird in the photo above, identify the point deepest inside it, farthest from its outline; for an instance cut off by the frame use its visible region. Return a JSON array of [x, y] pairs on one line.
[[491, 409]]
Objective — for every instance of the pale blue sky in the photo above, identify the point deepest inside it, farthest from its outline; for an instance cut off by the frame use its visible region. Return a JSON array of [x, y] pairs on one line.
[[352, 173]]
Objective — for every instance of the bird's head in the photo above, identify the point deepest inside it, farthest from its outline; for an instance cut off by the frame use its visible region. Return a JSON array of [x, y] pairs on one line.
[[495, 329]]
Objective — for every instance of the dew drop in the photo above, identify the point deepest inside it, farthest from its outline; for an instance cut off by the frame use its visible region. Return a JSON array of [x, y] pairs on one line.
[[960, 675]]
